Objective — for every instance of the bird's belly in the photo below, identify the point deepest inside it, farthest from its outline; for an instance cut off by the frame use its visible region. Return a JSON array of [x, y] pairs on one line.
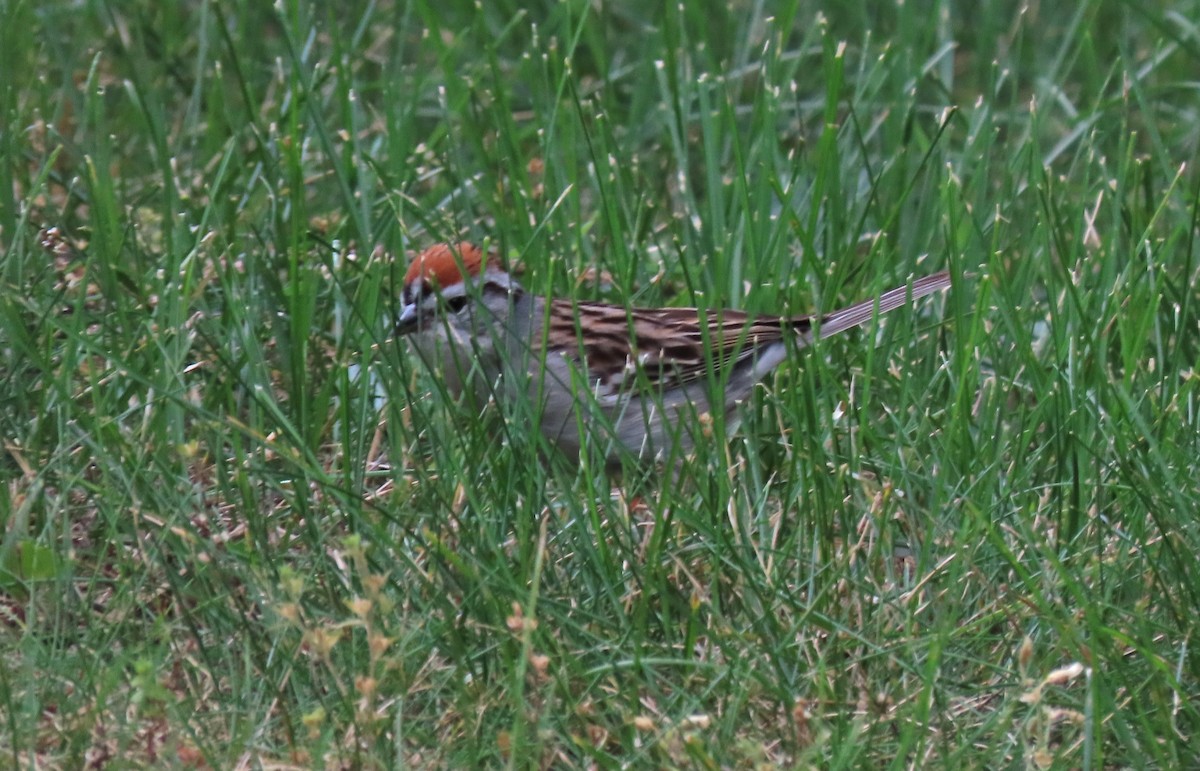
[[646, 427]]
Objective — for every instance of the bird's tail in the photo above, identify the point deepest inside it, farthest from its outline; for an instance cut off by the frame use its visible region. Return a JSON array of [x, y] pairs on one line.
[[860, 313]]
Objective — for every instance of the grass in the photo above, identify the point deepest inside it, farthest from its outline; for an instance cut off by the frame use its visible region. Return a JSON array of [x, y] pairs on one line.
[[242, 529]]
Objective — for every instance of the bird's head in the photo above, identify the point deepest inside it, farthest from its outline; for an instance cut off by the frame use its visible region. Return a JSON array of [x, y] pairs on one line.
[[443, 283]]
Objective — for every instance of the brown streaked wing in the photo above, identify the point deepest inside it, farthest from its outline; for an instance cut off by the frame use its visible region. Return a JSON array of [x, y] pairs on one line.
[[669, 341]]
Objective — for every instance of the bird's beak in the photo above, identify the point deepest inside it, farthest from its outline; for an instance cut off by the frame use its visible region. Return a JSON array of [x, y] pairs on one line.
[[406, 322]]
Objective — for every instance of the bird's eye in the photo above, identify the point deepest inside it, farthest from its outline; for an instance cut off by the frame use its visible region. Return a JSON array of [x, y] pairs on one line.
[[456, 304]]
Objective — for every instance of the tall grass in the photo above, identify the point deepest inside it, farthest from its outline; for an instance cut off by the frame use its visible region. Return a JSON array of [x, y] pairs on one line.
[[241, 526]]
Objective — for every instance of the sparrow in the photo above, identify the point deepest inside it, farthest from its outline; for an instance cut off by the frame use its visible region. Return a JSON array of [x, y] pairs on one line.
[[633, 381]]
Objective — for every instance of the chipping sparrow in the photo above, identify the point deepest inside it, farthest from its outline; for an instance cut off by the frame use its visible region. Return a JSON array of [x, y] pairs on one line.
[[636, 379]]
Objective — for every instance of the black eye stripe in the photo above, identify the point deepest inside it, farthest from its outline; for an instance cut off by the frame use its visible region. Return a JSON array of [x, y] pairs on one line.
[[456, 304]]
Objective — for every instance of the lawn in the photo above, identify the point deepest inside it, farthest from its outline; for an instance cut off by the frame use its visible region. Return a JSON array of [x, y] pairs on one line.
[[244, 528]]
